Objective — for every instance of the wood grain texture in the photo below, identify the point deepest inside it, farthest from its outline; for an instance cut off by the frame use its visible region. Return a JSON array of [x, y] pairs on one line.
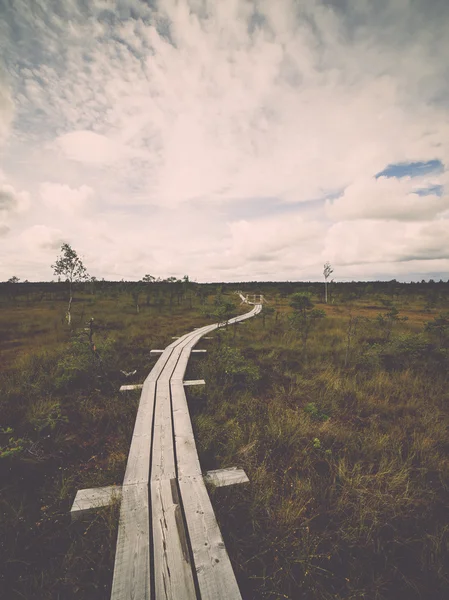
[[131, 579], [138, 465], [186, 453], [223, 477], [163, 462], [90, 499], [215, 575], [173, 574]]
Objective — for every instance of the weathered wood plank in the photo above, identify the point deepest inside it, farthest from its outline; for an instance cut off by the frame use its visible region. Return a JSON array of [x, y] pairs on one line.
[[137, 386], [216, 578], [186, 454], [163, 462], [194, 382], [131, 579], [138, 465], [172, 569], [223, 477], [214, 571], [90, 499]]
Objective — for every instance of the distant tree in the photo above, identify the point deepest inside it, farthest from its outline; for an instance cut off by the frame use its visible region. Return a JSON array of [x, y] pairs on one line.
[[224, 309], [70, 266], [93, 280], [301, 303], [148, 278], [13, 279], [327, 273]]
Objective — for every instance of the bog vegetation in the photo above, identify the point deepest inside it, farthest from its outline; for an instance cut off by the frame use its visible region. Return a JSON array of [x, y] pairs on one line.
[[338, 413]]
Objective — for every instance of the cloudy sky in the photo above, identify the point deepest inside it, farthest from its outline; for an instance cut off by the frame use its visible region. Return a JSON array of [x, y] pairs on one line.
[[225, 139]]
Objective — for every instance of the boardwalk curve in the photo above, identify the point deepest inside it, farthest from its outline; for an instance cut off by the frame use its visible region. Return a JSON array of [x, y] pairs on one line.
[[169, 545]]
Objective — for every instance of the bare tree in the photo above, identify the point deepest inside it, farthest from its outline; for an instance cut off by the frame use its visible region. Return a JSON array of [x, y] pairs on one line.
[[70, 266], [327, 272]]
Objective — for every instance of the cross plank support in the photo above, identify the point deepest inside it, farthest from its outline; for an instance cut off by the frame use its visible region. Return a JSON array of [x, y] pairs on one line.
[[224, 477], [126, 388], [90, 499], [194, 382]]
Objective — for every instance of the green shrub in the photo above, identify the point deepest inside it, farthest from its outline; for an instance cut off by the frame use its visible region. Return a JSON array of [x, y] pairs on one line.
[[228, 367], [406, 350], [314, 412], [45, 413], [80, 366], [9, 445]]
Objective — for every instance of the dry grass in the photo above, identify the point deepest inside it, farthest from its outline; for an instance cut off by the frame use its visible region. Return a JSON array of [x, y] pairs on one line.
[[65, 426], [348, 465], [346, 450]]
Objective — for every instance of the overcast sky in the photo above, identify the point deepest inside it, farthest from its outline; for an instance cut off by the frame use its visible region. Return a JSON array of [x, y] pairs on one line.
[[225, 139]]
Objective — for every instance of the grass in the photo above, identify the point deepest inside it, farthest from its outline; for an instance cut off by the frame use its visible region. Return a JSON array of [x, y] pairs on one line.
[[64, 426], [344, 441], [347, 458]]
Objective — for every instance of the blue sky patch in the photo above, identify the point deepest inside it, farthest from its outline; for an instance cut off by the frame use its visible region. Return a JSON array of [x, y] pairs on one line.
[[434, 190], [412, 169]]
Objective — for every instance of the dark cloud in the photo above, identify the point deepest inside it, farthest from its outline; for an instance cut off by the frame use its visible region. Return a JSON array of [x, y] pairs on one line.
[[8, 200]]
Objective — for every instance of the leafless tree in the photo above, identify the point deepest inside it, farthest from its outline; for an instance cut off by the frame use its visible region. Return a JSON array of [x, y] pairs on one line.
[[327, 272]]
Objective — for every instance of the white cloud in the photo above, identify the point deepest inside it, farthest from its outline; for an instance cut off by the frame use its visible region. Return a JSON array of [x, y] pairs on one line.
[[388, 198], [265, 238], [42, 238], [204, 103], [372, 241], [63, 198], [91, 148]]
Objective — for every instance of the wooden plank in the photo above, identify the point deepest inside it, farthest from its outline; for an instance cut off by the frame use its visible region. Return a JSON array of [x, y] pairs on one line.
[[126, 388], [214, 571], [199, 351], [172, 569], [131, 579], [154, 352], [230, 476], [90, 499], [186, 454], [138, 465], [173, 575], [216, 577], [194, 382], [160, 364], [163, 462]]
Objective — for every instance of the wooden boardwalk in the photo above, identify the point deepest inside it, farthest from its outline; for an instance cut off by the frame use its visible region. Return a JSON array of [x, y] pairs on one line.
[[169, 545]]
